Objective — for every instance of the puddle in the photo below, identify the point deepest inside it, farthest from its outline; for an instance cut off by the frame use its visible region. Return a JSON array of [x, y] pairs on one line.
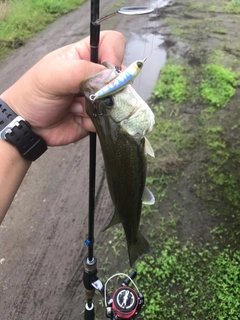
[[143, 44], [146, 80]]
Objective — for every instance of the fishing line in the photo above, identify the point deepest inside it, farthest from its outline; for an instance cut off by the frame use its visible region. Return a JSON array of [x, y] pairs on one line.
[[115, 275], [152, 40], [146, 55]]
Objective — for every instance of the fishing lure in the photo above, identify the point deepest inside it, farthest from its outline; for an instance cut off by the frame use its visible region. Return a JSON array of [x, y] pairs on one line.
[[120, 82]]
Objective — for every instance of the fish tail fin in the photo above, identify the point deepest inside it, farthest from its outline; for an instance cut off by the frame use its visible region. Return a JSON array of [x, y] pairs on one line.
[[137, 248]]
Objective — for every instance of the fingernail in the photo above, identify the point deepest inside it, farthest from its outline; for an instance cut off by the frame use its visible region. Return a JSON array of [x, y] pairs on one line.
[[76, 108]]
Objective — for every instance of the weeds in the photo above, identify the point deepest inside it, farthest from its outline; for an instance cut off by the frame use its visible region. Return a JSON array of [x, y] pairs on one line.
[[188, 280], [24, 18], [234, 6], [172, 84], [218, 84], [181, 288], [221, 180]]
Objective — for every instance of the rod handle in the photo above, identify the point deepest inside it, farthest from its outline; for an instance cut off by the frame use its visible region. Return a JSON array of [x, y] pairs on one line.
[[89, 313]]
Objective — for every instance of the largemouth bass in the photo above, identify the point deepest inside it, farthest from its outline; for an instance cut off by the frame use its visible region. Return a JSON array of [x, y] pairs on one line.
[[122, 120]]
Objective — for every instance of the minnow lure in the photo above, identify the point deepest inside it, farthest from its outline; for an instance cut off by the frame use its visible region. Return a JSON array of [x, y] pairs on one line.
[[120, 82]]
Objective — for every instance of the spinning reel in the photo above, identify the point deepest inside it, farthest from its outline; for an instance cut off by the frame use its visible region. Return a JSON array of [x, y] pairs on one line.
[[125, 303]]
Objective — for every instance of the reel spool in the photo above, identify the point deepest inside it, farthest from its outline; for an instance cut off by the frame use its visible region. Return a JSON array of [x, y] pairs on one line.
[[126, 302]]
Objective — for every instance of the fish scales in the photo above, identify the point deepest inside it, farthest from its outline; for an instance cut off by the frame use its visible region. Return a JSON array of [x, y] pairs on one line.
[[125, 163]]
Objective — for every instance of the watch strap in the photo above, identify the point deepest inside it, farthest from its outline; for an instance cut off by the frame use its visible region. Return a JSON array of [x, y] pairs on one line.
[[18, 132]]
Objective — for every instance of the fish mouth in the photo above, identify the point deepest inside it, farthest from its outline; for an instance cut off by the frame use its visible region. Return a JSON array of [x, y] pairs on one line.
[[129, 108]]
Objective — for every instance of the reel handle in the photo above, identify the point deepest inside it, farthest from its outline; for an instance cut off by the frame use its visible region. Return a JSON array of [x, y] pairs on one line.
[[132, 275]]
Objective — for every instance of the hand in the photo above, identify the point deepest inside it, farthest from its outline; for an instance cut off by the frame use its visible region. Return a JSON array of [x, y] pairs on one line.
[[47, 96]]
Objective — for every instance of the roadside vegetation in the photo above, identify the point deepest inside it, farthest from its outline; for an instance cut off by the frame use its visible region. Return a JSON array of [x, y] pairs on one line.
[[195, 274], [21, 19], [189, 275], [234, 6]]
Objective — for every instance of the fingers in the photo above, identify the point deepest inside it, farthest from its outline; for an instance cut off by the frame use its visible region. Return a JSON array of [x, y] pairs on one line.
[[61, 71], [77, 108], [63, 77], [85, 123], [112, 47], [81, 117]]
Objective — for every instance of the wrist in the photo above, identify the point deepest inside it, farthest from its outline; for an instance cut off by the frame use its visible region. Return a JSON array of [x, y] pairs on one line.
[[10, 154], [16, 131], [13, 168], [8, 97]]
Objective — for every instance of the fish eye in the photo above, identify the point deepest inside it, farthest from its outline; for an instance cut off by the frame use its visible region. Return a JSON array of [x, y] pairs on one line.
[[139, 64], [108, 101]]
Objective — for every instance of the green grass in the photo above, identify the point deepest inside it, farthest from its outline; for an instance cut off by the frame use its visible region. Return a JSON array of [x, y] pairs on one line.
[[24, 18], [172, 84], [183, 282], [219, 31], [176, 83], [221, 179], [218, 85], [233, 6], [194, 279]]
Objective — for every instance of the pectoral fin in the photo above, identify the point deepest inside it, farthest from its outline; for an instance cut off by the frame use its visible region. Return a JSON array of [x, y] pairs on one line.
[[147, 197], [148, 148], [115, 220]]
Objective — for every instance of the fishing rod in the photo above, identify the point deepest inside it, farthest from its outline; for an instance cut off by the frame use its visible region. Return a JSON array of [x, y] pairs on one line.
[[117, 307]]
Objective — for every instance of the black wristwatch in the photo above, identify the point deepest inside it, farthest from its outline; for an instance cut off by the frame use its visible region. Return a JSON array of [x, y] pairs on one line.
[[17, 131]]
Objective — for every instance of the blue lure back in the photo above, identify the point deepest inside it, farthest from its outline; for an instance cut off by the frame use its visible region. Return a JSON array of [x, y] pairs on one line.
[[120, 82]]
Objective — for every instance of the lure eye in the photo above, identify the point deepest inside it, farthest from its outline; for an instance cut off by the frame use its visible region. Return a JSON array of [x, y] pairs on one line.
[[108, 101], [139, 64]]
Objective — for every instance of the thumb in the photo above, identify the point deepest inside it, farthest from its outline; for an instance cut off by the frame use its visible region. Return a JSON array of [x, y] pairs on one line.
[[63, 77]]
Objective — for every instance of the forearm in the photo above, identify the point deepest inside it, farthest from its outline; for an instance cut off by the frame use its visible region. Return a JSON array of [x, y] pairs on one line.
[[47, 97], [13, 168]]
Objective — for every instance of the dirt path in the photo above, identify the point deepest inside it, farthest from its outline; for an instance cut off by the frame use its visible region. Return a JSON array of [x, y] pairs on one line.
[[42, 237]]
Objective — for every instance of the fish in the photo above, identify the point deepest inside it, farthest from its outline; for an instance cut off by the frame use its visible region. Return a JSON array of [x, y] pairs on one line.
[[122, 121]]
